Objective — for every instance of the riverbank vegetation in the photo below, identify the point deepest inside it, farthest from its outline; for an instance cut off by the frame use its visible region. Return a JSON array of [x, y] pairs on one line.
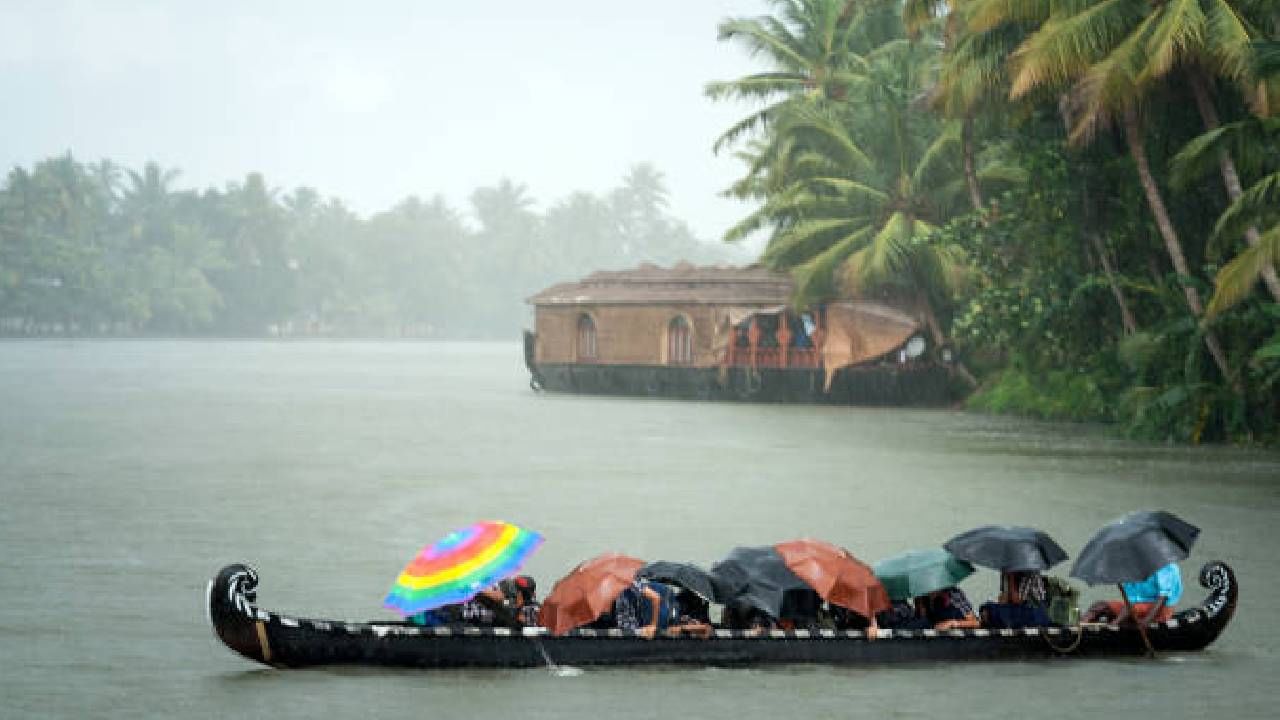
[[1081, 198], [99, 249]]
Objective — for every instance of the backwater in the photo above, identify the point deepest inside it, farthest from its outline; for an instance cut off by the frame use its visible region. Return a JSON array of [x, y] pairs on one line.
[[131, 471]]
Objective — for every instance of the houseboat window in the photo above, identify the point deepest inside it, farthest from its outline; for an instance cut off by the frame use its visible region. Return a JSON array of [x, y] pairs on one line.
[[679, 342], [586, 339]]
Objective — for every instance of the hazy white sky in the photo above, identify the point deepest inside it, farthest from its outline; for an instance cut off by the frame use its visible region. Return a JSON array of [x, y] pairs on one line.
[[373, 101]]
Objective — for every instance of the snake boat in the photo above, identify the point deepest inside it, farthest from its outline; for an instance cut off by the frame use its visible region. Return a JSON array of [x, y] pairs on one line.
[[285, 641]]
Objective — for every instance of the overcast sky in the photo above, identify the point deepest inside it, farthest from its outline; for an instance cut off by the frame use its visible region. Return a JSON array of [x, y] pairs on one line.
[[374, 101]]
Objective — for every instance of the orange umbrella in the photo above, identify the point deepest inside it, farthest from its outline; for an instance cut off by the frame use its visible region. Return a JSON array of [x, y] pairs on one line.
[[588, 591], [836, 575]]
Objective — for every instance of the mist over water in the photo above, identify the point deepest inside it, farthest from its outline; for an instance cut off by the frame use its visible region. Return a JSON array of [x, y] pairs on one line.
[[132, 471]]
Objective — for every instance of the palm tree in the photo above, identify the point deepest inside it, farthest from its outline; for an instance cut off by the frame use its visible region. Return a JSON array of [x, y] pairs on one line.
[[1249, 208], [851, 203], [1191, 38], [1110, 52], [808, 47]]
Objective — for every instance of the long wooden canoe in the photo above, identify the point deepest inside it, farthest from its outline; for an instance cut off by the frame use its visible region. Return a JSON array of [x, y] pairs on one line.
[[285, 641]]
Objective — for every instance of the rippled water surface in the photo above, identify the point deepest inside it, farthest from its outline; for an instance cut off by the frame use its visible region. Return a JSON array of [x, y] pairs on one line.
[[131, 471]]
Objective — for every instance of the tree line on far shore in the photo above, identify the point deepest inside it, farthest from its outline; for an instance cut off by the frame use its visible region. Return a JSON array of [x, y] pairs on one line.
[[90, 249]]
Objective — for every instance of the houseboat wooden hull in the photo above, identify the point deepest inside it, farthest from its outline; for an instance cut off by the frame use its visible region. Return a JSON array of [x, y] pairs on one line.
[[288, 642], [890, 385]]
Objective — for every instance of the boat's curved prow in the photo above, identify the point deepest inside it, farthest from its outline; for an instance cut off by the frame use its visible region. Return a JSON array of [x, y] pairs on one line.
[[235, 617], [1219, 606]]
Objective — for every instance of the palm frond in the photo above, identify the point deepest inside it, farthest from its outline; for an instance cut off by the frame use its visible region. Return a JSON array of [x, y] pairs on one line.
[[760, 85], [763, 35], [1177, 29], [1236, 279], [1109, 85], [815, 279], [1066, 46], [1259, 206], [1228, 41], [934, 161], [983, 15], [809, 239], [850, 189]]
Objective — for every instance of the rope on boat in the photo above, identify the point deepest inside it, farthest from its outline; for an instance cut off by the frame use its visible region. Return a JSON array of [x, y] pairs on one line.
[[1068, 649]]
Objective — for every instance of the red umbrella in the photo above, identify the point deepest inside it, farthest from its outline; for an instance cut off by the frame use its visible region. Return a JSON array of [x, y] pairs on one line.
[[836, 575], [588, 591]]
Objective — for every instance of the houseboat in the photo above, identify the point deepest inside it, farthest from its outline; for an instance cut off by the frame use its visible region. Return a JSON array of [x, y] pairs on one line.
[[726, 333]]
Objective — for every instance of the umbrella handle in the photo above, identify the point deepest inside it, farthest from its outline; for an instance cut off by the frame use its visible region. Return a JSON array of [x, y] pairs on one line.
[[1141, 622]]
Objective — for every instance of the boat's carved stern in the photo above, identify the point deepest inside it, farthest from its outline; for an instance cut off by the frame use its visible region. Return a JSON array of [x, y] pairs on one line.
[[232, 595]]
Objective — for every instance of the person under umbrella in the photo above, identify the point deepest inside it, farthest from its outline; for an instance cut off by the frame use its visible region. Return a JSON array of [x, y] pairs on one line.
[[521, 595], [455, 580], [696, 589], [1021, 555], [605, 590], [1139, 552], [784, 584], [1150, 600], [588, 591], [930, 576], [650, 607]]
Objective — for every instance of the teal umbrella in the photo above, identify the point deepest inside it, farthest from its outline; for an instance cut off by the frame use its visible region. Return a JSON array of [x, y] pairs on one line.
[[919, 572]]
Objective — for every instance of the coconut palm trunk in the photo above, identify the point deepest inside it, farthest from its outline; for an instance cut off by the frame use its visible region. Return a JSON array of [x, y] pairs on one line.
[[1133, 136], [1126, 315], [1127, 319], [940, 338], [970, 166], [1230, 178]]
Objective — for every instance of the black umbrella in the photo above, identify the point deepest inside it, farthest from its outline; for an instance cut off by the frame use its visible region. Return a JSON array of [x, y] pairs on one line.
[[757, 577], [1133, 547], [687, 576], [1007, 548]]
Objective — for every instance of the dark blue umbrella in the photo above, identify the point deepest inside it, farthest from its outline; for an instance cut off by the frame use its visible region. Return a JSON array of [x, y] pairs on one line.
[[757, 577], [1131, 548], [687, 576], [1007, 548]]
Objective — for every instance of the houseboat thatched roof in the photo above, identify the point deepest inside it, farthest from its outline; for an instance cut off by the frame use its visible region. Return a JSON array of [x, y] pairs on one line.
[[683, 284]]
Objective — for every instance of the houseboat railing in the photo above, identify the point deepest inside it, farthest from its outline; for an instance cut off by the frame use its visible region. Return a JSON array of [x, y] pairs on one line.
[[775, 351]]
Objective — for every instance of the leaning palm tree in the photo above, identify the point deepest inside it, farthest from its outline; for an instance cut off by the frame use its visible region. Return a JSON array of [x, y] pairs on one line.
[[850, 203], [807, 45], [1102, 50], [1147, 43], [1259, 205]]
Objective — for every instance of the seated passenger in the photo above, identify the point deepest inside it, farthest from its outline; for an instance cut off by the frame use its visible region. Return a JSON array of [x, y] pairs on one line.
[[845, 619], [947, 609], [650, 607], [1023, 602], [486, 609], [693, 615], [902, 615], [521, 596], [1152, 600], [746, 617], [803, 610]]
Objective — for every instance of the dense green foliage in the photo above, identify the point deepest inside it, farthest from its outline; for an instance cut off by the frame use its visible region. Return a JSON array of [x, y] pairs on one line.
[[1080, 198], [95, 249]]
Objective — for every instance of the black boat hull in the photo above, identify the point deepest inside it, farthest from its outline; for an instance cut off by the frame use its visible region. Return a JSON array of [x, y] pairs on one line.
[[284, 641]]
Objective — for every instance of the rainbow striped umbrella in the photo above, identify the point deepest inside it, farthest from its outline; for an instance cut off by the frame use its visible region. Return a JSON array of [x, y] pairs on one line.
[[460, 565]]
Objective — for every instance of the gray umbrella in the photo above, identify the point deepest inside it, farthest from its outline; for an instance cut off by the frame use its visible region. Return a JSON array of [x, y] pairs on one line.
[[757, 577], [1133, 547], [687, 576], [1007, 548]]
